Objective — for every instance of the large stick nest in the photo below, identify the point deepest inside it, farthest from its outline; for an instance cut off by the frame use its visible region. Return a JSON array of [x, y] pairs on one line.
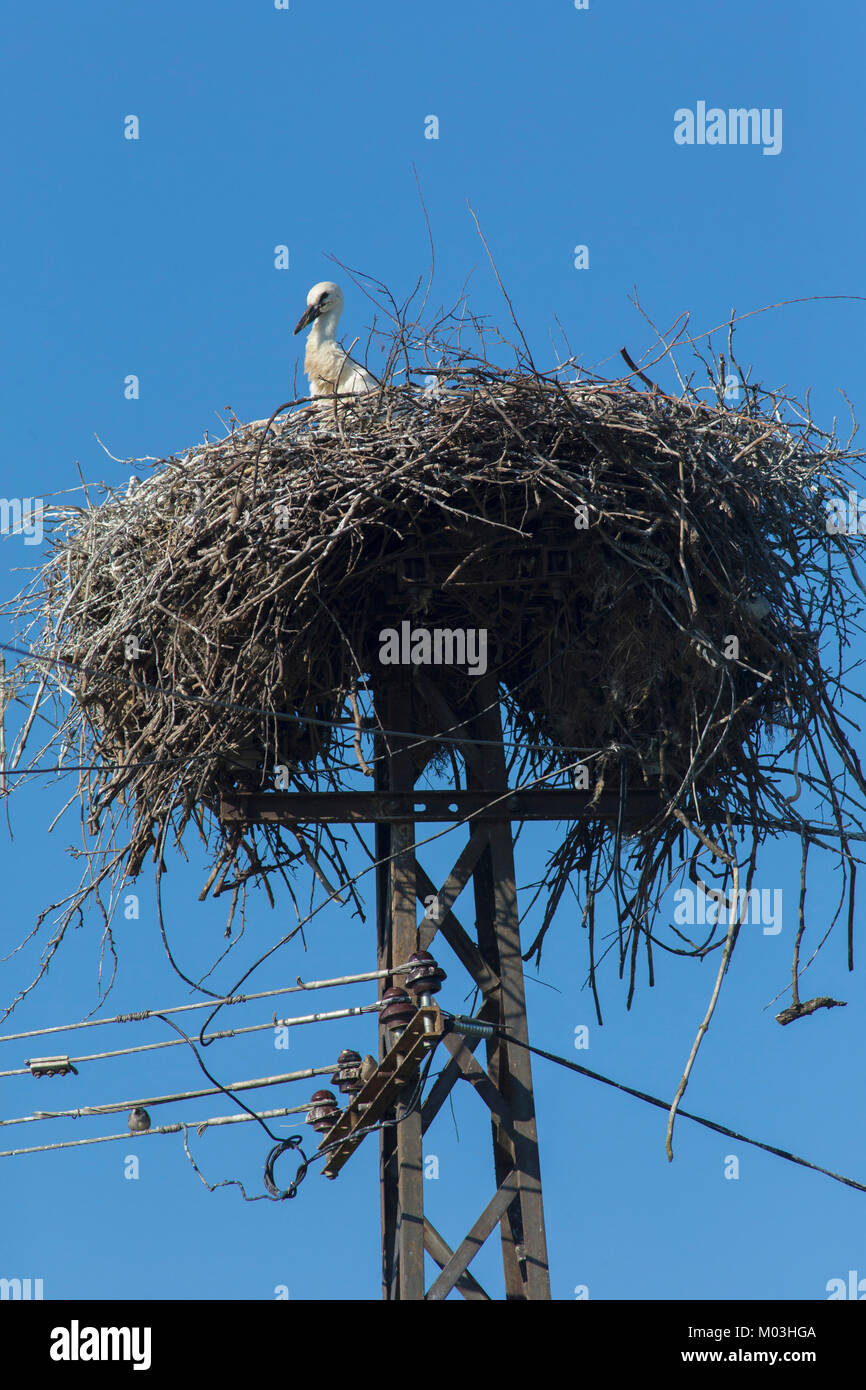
[[654, 574]]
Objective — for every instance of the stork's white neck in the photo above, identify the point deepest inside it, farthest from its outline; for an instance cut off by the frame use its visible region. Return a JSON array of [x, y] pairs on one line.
[[324, 329]]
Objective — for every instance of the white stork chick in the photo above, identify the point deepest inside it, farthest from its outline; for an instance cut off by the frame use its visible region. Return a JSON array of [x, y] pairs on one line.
[[329, 368]]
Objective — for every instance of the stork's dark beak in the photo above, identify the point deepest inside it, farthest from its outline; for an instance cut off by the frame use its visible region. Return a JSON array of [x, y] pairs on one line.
[[310, 315]]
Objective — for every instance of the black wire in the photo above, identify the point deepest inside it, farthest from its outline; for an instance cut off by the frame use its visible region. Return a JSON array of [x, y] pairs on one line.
[[348, 724], [665, 1105], [231, 1094], [281, 1194], [281, 1145], [229, 754]]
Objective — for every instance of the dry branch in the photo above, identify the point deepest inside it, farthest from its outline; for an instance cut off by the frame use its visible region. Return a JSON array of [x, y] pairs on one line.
[[660, 592]]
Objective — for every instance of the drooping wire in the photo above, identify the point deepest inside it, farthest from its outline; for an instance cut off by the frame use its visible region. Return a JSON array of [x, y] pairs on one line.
[[169, 692], [684, 1114]]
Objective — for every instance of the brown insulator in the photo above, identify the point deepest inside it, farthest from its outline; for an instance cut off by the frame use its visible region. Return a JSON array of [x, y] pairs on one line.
[[323, 1112], [348, 1074], [397, 1010], [425, 977]]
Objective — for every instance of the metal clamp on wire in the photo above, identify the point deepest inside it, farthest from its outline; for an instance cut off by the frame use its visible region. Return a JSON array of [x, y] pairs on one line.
[[470, 1027]]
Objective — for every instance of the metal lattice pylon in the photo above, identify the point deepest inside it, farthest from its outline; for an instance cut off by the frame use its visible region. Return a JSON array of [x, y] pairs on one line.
[[492, 958], [494, 962]]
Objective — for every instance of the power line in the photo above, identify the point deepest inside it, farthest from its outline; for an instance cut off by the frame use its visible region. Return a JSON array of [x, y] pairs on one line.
[[214, 753], [209, 1003], [118, 1107], [372, 730], [328, 1017], [159, 1129], [171, 693], [686, 1115], [794, 824]]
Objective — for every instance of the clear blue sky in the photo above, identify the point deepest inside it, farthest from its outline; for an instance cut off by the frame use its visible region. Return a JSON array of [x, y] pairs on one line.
[[261, 127]]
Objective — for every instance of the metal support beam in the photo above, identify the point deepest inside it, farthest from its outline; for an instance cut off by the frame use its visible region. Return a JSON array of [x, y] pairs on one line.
[[441, 1252], [400, 1152], [524, 1243], [402, 806], [468, 1248], [493, 960]]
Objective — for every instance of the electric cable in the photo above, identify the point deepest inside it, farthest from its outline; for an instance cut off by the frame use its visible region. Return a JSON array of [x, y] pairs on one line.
[[348, 724], [685, 1114], [228, 999]]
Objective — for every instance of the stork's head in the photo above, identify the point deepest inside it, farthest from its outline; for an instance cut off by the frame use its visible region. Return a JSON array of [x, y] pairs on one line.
[[324, 298]]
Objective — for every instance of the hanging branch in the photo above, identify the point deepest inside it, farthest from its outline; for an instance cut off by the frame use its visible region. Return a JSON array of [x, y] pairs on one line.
[[661, 596]]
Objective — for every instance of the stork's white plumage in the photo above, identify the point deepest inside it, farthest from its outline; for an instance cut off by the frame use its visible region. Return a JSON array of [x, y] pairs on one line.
[[329, 368]]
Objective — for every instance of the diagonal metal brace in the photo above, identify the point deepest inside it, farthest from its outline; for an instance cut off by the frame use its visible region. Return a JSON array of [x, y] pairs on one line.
[[469, 1247]]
